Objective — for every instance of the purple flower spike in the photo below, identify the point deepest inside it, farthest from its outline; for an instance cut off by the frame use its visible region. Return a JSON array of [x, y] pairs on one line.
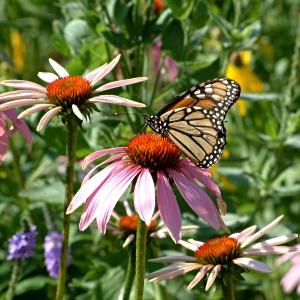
[[21, 244], [52, 250]]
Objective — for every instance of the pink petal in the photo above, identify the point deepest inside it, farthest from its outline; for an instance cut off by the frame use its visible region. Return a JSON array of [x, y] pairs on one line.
[[113, 99], [119, 83], [212, 277], [91, 75], [177, 258], [20, 125], [3, 138], [111, 193], [171, 68], [243, 235], [197, 199], [24, 85], [144, 196], [261, 232], [275, 241], [20, 103], [90, 186], [34, 109], [107, 70], [47, 117], [47, 76], [61, 71], [97, 154], [168, 206], [199, 276], [252, 264], [291, 279], [21, 94]]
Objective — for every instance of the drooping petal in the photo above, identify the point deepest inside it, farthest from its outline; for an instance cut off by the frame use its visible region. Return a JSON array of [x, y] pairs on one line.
[[97, 154], [128, 240], [47, 76], [47, 117], [111, 193], [90, 186], [212, 277], [3, 138], [197, 199], [19, 103], [252, 264], [24, 85], [21, 94], [107, 70], [114, 99], [199, 276], [119, 83], [291, 279], [19, 125], [261, 232], [188, 245], [77, 112], [60, 70], [172, 271], [144, 196], [168, 206], [34, 109], [196, 243]]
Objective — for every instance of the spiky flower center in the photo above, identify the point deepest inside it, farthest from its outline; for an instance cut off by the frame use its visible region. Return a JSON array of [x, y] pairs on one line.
[[129, 223], [69, 90], [153, 151], [221, 250]]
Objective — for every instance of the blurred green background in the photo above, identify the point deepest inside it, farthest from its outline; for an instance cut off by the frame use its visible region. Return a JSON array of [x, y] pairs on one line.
[[176, 44]]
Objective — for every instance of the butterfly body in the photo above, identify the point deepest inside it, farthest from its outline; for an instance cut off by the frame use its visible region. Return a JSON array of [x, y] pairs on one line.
[[194, 119]]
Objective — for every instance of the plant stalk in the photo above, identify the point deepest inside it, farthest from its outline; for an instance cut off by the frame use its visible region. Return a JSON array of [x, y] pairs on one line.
[[71, 148], [13, 280], [228, 287], [129, 274], [141, 245]]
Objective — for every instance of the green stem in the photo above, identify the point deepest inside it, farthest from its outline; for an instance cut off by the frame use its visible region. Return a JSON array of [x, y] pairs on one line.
[[13, 280], [228, 287], [141, 245], [71, 147], [129, 274], [16, 164]]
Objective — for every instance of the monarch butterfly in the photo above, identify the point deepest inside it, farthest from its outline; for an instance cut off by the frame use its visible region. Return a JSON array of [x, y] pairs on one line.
[[194, 119]]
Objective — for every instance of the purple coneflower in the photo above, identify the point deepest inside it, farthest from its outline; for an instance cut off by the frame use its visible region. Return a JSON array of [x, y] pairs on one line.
[[291, 279], [52, 251], [152, 163], [221, 252], [65, 93], [17, 125], [126, 226], [21, 244]]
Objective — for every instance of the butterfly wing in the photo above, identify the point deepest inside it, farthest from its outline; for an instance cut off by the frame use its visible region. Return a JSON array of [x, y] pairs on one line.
[[194, 119]]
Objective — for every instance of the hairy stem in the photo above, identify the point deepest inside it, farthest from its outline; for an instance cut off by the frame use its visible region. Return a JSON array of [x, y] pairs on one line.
[[71, 147]]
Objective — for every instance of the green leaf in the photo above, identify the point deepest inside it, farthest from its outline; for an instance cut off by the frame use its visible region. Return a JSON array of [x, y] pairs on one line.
[[201, 62], [77, 33], [200, 14], [293, 141], [181, 8], [33, 283], [173, 40]]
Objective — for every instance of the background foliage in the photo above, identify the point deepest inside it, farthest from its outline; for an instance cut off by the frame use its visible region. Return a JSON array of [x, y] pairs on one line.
[[253, 42]]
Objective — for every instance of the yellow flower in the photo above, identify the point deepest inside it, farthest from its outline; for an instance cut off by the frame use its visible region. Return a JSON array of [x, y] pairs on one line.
[[239, 69], [18, 49]]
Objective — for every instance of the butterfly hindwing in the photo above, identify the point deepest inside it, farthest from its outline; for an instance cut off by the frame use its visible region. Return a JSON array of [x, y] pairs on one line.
[[194, 119]]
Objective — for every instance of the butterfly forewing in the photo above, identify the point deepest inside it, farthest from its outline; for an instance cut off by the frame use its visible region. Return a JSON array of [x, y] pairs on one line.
[[194, 119]]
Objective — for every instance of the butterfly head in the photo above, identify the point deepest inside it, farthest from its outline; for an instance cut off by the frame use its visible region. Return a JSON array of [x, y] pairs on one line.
[[154, 123]]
